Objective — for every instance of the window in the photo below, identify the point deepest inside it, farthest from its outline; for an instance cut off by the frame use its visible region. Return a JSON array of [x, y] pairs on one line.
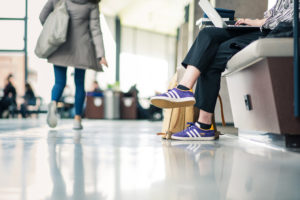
[[148, 73], [12, 35]]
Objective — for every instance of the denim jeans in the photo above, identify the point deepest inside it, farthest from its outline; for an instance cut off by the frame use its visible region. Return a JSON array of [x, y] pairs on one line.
[[60, 73]]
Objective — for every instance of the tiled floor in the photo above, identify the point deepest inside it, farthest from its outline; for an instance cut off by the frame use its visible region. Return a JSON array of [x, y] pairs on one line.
[[125, 160]]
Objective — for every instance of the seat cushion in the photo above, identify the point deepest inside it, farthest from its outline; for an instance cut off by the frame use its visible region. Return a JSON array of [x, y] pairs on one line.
[[257, 51]]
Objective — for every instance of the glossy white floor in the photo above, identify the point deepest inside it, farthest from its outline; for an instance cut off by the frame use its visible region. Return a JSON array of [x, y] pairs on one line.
[[125, 160]]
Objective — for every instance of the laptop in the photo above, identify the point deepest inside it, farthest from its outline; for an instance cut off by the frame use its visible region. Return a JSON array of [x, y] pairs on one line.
[[217, 20]]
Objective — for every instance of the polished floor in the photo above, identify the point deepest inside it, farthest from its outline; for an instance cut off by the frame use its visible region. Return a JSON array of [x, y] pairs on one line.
[[125, 160]]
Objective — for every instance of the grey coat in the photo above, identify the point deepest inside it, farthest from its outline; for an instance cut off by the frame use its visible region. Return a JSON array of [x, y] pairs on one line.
[[84, 46]]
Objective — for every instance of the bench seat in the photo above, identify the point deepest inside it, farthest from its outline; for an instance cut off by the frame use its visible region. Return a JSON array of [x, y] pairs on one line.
[[260, 86], [257, 51]]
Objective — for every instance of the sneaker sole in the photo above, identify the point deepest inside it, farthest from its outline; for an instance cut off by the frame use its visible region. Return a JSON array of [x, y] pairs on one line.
[[52, 121], [181, 142], [193, 139], [172, 103]]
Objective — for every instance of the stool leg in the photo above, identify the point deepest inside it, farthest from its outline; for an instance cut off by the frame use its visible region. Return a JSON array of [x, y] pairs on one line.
[[217, 133]]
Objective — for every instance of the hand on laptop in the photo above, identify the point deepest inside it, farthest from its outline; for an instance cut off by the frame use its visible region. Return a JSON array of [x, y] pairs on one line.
[[251, 22]]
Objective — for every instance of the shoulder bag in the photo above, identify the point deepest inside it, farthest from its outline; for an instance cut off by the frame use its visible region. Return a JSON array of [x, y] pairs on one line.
[[54, 32]]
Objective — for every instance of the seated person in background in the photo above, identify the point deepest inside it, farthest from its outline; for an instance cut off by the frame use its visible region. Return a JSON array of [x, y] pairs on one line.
[[205, 62], [96, 87], [10, 95], [29, 100]]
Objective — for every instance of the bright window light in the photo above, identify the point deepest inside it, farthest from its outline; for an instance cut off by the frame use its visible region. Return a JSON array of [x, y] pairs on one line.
[[271, 3], [12, 9], [109, 76], [12, 35], [148, 73]]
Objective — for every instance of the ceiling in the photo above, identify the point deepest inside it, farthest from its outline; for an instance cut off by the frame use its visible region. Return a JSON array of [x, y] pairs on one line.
[[162, 16]]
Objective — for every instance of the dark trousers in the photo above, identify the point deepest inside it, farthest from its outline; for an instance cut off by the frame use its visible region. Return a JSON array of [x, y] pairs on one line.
[[210, 53], [4, 104]]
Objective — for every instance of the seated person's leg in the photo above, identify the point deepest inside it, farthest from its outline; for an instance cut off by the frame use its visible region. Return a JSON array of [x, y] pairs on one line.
[[202, 53], [23, 110], [208, 87], [214, 45], [4, 106], [207, 102], [209, 83], [1, 109], [198, 58], [204, 48]]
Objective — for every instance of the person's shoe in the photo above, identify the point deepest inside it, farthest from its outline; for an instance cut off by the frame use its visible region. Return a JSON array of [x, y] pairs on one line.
[[194, 133], [51, 116], [174, 98], [77, 125]]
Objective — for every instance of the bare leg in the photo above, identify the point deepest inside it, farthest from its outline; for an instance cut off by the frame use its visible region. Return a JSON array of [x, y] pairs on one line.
[[205, 117], [77, 117], [190, 76]]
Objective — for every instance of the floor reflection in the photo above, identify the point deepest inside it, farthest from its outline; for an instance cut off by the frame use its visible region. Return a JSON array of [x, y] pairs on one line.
[[190, 169], [216, 170], [130, 162], [59, 185], [59, 191]]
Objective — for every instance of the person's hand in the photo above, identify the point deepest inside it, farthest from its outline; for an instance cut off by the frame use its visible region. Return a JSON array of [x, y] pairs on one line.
[[251, 22], [103, 62]]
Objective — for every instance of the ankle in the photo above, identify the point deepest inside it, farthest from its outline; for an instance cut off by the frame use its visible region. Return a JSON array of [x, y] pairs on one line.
[[77, 118], [205, 117]]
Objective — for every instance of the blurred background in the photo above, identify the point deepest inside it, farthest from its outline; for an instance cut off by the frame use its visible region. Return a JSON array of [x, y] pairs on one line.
[[145, 42]]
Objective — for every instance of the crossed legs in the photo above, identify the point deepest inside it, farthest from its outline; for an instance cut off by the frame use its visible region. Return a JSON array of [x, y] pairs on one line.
[[189, 79], [206, 61]]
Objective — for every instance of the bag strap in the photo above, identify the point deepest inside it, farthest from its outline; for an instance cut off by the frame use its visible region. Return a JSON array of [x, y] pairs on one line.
[[59, 3]]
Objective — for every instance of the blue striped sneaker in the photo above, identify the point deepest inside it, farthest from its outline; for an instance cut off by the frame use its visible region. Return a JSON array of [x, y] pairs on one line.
[[194, 133], [174, 98]]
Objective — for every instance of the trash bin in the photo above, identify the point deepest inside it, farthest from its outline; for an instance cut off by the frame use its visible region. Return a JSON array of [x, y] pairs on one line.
[[94, 105], [128, 107], [112, 104]]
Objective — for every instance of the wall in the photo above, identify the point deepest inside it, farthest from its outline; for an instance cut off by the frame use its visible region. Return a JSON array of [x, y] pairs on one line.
[[245, 8]]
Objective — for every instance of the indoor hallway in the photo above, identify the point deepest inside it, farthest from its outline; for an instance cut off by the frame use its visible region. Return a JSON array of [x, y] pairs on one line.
[[125, 160]]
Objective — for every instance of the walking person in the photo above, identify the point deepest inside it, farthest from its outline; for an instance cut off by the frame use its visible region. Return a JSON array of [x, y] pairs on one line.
[[205, 62], [83, 50]]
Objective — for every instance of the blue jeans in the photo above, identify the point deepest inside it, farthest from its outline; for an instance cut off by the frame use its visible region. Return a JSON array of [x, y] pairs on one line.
[[60, 73]]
